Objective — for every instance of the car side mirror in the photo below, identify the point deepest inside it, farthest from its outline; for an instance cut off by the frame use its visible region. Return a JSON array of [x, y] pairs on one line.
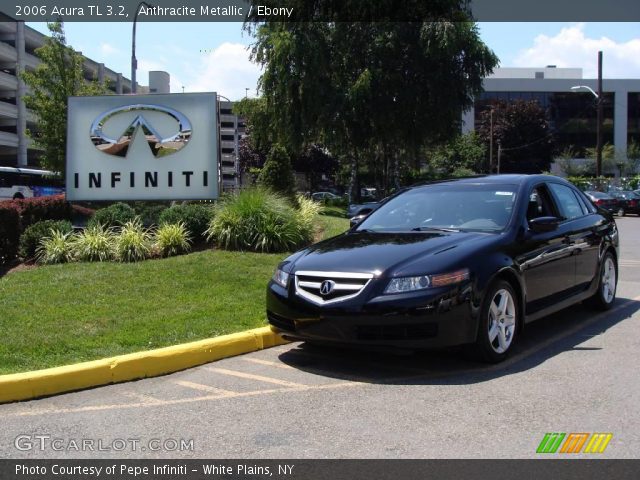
[[544, 224], [353, 221]]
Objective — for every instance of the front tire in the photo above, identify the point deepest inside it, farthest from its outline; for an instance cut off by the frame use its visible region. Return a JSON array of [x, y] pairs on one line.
[[606, 294], [498, 322], [621, 212]]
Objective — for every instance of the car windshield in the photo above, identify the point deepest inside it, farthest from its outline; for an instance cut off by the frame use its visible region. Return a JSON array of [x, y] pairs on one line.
[[445, 207]]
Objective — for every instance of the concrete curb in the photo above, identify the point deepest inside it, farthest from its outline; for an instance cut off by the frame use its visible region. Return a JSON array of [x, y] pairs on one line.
[[39, 383]]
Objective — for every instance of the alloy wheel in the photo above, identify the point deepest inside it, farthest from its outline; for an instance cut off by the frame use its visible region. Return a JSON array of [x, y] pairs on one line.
[[502, 321], [608, 281]]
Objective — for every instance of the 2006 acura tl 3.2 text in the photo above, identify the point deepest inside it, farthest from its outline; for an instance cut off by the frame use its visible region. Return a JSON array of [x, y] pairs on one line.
[[466, 261]]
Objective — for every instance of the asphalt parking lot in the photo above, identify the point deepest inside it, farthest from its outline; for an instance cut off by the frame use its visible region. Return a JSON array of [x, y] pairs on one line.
[[576, 371]]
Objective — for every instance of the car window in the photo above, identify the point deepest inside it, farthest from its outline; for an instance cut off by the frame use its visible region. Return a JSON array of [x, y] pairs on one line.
[[539, 204], [586, 202], [567, 202], [482, 207]]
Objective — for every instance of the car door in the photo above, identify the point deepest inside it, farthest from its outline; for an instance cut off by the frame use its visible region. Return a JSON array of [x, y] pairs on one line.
[[582, 233], [546, 258]]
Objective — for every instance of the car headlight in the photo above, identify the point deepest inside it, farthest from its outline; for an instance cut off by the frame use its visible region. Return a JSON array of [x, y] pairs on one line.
[[281, 277], [422, 282]]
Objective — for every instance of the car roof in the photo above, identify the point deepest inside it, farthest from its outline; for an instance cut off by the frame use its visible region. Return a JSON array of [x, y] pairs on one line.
[[499, 179]]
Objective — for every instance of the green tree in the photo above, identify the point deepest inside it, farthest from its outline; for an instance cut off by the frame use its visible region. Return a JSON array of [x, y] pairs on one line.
[[373, 93], [277, 174], [609, 158], [464, 153], [58, 77], [569, 162], [522, 131]]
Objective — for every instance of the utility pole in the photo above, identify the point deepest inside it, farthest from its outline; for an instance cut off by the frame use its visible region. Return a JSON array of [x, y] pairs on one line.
[[499, 155], [599, 119]]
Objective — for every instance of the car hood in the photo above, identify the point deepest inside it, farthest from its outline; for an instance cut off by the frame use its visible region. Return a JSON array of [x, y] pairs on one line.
[[387, 253]]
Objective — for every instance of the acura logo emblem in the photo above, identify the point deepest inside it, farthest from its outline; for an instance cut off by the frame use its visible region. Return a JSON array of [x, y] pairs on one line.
[[160, 145], [326, 287]]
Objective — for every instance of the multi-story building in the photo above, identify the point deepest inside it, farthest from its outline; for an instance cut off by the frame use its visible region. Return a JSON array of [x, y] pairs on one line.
[[18, 43], [572, 113], [232, 129]]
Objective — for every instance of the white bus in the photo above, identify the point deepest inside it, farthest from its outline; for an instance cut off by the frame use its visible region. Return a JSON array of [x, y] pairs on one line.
[[27, 182]]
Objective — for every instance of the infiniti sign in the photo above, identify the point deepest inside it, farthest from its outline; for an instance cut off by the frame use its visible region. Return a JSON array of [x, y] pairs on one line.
[[159, 145], [134, 147]]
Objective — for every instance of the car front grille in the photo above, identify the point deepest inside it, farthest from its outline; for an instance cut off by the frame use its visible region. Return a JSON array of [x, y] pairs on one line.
[[323, 288]]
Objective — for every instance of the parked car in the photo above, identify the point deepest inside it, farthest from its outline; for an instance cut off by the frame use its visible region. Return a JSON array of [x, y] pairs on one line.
[[466, 261], [361, 209], [605, 201], [324, 196], [628, 201]]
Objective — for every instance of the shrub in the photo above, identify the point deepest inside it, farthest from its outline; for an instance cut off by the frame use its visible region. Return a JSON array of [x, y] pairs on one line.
[[33, 234], [36, 209], [150, 214], [277, 173], [132, 243], [172, 239], [308, 210], [94, 244], [9, 231], [56, 248], [115, 215], [194, 216], [256, 219]]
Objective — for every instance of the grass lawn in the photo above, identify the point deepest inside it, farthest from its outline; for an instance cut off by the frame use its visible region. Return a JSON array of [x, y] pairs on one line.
[[61, 314]]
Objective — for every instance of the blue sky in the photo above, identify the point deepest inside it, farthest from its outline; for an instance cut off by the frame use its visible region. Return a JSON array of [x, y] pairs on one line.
[[214, 56]]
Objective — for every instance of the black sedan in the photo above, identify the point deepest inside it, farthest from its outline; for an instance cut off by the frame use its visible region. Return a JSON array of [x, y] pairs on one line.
[[605, 201], [628, 201], [467, 261]]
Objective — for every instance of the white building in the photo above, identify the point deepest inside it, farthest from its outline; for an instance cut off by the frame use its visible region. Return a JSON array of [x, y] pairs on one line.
[[572, 113]]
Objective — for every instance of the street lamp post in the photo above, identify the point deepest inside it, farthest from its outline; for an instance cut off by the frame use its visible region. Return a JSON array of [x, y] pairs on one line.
[[599, 114], [134, 60]]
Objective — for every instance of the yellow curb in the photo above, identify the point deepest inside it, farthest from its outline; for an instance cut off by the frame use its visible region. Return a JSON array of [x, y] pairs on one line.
[[29, 385]]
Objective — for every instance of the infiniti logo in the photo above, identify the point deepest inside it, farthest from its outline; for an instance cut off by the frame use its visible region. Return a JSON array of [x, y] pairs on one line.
[[327, 286], [160, 146]]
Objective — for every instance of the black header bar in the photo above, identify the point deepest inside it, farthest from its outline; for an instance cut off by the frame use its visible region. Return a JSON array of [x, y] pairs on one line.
[[115, 469], [324, 10]]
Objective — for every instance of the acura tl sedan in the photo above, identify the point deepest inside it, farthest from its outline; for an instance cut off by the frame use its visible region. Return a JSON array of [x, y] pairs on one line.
[[467, 261]]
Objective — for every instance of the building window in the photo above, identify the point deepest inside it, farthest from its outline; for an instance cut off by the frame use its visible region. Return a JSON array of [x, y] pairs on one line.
[[633, 118]]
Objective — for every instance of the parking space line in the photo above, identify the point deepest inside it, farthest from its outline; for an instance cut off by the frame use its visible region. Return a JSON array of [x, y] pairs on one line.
[[145, 399], [251, 376], [204, 388], [268, 363], [179, 401]]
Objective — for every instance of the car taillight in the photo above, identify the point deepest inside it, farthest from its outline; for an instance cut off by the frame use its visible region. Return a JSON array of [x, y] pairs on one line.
[[599, 201], [633, 203]]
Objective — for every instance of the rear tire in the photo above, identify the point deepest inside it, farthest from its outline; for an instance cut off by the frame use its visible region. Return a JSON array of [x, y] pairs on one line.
[[499, 317], [621, 212], [605, 296]]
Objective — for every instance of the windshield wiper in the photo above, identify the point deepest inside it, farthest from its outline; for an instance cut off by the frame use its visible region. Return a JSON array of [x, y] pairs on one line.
[[437, 229]]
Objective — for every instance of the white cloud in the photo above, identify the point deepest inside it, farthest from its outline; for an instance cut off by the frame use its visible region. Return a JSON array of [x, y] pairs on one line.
[[572, 48], [107, 49], [226, 70]]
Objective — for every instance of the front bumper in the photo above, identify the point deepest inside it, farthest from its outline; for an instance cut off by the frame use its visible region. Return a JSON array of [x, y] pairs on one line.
[[420, 320]]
